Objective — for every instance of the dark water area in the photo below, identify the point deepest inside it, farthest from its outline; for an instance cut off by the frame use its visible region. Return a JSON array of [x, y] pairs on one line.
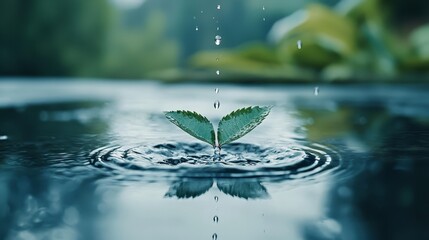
[[98, 160]]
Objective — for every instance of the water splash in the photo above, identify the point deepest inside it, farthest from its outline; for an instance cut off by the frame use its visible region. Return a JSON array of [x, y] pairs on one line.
[[291, 161], [218, 40], [216, 154]]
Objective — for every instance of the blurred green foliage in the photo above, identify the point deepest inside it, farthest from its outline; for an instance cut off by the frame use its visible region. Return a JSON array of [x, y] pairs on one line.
[[50, 37], [353, 41], [138, 52], [81, 38], [341, 40]]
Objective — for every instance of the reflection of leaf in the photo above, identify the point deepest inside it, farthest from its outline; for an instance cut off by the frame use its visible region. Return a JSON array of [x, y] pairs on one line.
[[194, 124], [238, 123], [189, 189], [248, 189]]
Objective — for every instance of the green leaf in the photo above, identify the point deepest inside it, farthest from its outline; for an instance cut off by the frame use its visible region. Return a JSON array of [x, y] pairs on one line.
[[194, 124], [238, 123]]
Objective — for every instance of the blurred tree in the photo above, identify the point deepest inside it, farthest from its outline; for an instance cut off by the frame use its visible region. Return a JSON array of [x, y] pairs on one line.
[[51, 37], [140, 49]]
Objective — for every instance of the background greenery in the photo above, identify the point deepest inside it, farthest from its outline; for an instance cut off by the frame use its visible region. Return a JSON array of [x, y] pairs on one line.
[[351, 40]]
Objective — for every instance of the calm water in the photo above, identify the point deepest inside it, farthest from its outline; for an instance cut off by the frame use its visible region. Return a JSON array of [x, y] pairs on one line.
[[98, 160]]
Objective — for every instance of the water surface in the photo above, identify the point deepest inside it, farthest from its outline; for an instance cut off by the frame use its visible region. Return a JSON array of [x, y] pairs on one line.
[[98, 160]]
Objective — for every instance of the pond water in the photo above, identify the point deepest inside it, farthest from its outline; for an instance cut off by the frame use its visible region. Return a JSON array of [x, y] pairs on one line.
[[98, 160]]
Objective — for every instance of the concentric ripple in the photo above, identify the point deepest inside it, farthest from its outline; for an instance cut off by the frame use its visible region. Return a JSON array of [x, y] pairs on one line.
[[237, 160]]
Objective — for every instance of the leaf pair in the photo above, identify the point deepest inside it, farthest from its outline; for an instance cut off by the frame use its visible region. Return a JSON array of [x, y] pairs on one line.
[[231, 127]]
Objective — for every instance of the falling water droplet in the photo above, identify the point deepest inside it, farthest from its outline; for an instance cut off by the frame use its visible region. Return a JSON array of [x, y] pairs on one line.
[[218, 40], [217, 59], [216, 90], [202, 11], [214, 236], [316, 91], [217, 72], [194, 17], [216, 198], [299, 44], [196, 28], [215, 219], [218, 7], [3, 137], [217, 29], [216, 104], [263, 8], [263, 19]]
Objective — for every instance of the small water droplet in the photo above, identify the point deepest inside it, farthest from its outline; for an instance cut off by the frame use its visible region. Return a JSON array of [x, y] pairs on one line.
[[194, 17], [3, 137], [217, 59], [196, 28], [216, 198], [218, 7], [299, 44], [214, 236], [216, 104], [217, 29], [263, 8], [217, 72], [218, 40], [213, 18], [263, 19], [216, 90], [202, 11], [215, 219], [316, 91]]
